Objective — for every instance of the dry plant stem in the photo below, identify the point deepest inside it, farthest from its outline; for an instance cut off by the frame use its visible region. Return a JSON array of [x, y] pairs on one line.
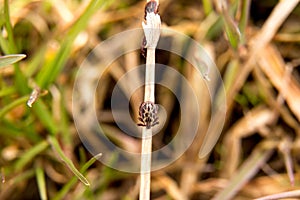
[[283, 195], [150, 75], [146, 164], [152, 33], [147, 133]]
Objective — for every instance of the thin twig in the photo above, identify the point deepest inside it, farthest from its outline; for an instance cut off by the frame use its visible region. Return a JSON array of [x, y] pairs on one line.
[[152, 32]]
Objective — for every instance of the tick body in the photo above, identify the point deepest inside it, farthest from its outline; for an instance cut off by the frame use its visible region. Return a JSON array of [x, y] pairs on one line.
[[148, 114]]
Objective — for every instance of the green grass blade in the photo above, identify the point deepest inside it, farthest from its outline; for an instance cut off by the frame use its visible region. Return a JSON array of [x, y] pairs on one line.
[[90, 162], [20, 80], [35, 61], [67, 161], [3, 43], [207, 6], [12, 45], [30, 154], [10, 59], [7, 91], [244, 18], [40, 177], [23, 176], [232, 30], [42, 112], [49, 73], [231, 73], [67, 187], [12, 105], [215, 29]]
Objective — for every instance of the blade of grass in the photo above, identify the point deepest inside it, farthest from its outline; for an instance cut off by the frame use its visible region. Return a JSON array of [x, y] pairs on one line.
[[59, 108], [230, 73], [207, 6], [10, 59], [30, 154], [10, 130], [231, 29], [244, 18], [3, 43], [274, 67], [285, 149], [40, 177], [20, 79], [29, 127], [49, 73], [12, 45], [90, 162], [42, 112], [54, 143], [7, 91], [12, 105], [216, 28], [246, 171], [283, 195], [82, 156], [22, 177], [67, 187], [35, 62]]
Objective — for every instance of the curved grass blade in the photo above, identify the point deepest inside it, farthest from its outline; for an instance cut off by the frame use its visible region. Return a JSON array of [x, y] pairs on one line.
[[53, 141], [67, 187]]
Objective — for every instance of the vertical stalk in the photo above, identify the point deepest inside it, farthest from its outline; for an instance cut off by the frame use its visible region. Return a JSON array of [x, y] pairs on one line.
[[146, 164], [152, 32], [147, 133], [150, 76]]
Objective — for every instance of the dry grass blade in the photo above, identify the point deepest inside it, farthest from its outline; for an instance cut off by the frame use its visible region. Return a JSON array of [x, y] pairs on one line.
[[283, 195], [171, 187], [285, 149], [253, 121], [248, 169], [272, 64], [269, 29]]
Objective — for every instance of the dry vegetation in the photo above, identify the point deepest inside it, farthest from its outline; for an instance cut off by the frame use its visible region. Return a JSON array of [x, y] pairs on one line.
[[255, 45]]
